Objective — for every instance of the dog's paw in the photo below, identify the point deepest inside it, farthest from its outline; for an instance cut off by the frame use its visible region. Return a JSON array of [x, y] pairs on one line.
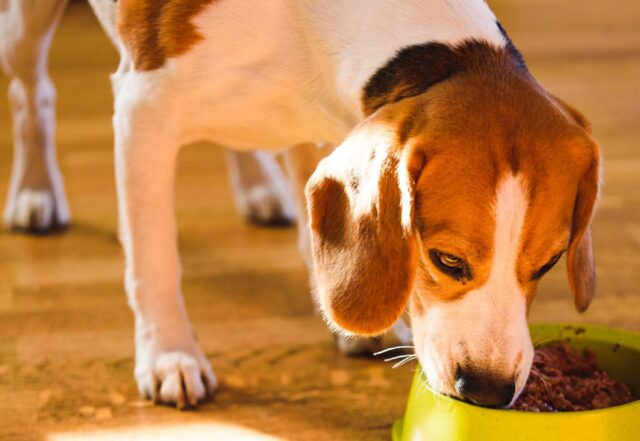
[[176, 378], [171, 367], [263, 206], [398, 336], [36, 211]]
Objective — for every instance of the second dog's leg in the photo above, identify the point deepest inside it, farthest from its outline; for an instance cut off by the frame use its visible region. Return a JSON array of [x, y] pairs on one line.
[[262, 193], [36, 201], [300, 162], [170, 365]]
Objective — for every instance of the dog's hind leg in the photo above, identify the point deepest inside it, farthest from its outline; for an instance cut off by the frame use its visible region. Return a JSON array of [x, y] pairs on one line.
[[36, 200], [300, 162], [263, 194]]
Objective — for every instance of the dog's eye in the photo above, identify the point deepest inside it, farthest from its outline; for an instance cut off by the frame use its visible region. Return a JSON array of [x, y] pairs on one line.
[[547, 266], [451, 265], [450, 260]]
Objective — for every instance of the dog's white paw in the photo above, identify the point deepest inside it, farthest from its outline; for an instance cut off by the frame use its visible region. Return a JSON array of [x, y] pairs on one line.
[[398, 335], [263, 206], [36, 211], [181, 378]]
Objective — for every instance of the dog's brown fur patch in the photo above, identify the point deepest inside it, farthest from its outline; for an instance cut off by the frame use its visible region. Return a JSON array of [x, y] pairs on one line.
[[154, 30]]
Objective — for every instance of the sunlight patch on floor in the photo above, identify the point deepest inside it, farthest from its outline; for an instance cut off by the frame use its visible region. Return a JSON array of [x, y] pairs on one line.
[[183, 431]]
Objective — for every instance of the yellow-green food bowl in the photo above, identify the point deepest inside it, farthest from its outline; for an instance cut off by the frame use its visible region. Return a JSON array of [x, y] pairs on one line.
[[433, 417]]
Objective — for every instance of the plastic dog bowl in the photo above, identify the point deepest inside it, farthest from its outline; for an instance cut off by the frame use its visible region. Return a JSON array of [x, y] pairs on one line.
[[434, 417]]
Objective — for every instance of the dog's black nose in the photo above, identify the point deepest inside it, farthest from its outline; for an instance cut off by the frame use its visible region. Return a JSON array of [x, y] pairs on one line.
[[483, 388]]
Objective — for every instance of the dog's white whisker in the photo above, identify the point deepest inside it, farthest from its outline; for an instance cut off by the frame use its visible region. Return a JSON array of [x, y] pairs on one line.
[[427, 387], [541, 377], [425, 382], [398, 357], [402, 362], [394, 348], [539, 343]]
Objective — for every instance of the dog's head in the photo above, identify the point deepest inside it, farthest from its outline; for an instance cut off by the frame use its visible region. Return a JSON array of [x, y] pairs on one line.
[[456, 201]]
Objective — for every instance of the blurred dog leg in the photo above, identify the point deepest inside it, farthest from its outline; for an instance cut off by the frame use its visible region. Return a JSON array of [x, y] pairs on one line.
[[262, 193], [36, 201]]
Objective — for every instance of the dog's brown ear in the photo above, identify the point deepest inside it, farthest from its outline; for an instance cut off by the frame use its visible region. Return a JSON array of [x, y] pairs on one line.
[[573, 113], [360, 203], [580, 261]]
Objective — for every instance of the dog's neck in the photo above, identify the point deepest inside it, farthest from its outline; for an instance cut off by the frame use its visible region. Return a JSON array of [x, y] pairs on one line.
[[353, 40], [417, 68]]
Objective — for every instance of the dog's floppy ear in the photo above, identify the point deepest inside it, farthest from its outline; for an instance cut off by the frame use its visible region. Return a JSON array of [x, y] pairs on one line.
[[360, 203], [580, 260], [573, 113]]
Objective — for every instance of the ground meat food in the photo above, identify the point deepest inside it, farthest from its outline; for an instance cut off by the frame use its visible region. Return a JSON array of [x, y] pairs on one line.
[[563, 380]]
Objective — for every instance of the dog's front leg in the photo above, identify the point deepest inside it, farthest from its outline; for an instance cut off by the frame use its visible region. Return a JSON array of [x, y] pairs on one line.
[[36, 200], [170, 366]]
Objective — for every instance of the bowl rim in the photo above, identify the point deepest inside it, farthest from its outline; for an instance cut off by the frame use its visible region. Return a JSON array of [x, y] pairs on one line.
[[624, 337]]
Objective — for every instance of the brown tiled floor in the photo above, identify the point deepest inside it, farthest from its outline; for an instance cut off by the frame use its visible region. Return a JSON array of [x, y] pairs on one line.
[[65, 330]]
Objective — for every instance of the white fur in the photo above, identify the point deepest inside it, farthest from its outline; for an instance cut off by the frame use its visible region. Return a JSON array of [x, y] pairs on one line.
[[266, 75], [488, 324]]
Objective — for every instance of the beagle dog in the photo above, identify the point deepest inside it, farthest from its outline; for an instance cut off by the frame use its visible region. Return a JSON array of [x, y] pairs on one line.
[[457, 183]]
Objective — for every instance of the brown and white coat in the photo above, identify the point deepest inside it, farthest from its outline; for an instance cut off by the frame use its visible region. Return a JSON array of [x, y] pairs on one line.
[[458, 180]]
